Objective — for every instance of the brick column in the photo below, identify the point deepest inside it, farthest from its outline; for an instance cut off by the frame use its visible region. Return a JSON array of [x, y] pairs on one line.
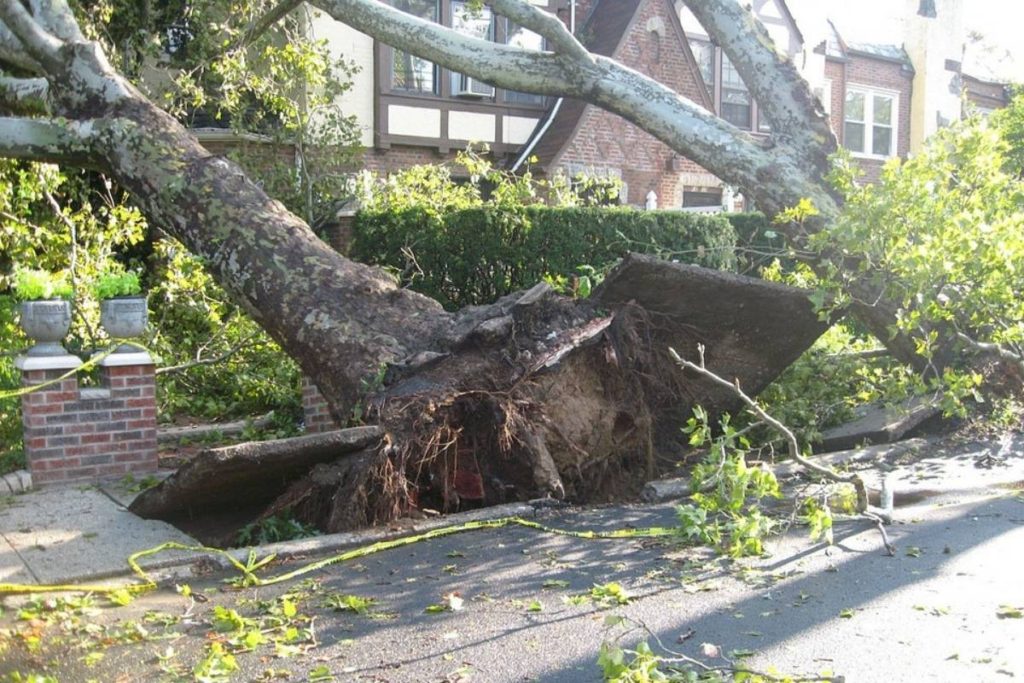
[[315, 414], [75, 435], [130, 379], [52, 435]]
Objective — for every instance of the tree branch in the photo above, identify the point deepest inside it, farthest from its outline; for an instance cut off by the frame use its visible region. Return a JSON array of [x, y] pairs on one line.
[[198, 362], [40, 45], [504, 66], [23, 95], [543, 23], [48, 140], [12, 54], [791, 440], [266, 21], [782, 94], [687, 128]]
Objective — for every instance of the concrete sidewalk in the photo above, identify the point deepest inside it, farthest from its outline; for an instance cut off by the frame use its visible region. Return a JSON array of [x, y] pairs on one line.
[[72, 535]]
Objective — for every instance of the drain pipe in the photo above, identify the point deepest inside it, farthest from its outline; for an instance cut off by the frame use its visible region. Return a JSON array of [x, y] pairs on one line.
[[525, 154]]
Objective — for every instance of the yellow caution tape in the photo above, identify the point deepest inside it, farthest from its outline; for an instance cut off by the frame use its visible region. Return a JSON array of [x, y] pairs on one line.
[[248, 569]]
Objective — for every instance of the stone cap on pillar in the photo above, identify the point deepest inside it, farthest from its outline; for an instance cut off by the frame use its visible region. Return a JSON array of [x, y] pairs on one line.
[[122, 359], [62, 362]]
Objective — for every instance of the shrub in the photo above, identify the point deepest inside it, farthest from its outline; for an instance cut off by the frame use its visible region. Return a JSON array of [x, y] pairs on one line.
[[32, 285], [758, 245], [114, 283], [475, 255]]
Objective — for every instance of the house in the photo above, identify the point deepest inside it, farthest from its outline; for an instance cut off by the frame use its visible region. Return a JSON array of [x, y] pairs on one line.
[[883, 99]]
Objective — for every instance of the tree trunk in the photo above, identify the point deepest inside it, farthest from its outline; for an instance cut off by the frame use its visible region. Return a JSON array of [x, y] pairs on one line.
[[565, 398], [540, 395]]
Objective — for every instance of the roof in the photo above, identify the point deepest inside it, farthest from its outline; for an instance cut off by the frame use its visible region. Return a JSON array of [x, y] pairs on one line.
[[892, 53], [834, 45], [605, 29]]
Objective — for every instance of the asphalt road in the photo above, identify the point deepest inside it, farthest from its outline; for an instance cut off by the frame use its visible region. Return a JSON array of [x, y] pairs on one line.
[[928, 613], [931, 612]]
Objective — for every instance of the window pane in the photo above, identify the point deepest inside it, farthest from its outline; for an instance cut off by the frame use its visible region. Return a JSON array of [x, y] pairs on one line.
[[731, 77], [704, 53], [881, 140], [736, 108], [408, 72], [883, 110], [853, 136], [477, 23], [517, 36], [854, 106]]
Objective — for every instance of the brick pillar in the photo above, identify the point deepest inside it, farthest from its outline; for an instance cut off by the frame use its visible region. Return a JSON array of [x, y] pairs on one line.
[[76, 435], [315, 414], [52, 434], [130, 379]]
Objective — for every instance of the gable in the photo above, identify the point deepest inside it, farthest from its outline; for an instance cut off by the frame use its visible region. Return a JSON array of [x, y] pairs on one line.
[[644, 35]]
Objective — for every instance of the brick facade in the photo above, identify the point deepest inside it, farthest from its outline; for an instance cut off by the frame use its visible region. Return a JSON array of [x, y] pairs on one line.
[[605, 142], [315, 414], [75, 435], [872, 73]]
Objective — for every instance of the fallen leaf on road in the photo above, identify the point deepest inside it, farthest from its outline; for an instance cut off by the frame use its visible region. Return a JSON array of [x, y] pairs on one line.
[[1010, 612]]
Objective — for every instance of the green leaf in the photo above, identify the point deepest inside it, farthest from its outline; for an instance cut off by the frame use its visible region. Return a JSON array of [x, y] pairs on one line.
[[1010, 612]]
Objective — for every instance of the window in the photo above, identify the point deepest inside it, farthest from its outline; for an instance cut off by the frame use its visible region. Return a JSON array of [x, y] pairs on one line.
[[704, 53], [410, 73], [735, 107], [824, 93], [727, 90], [478, 23], [869, 124], [518, 36]]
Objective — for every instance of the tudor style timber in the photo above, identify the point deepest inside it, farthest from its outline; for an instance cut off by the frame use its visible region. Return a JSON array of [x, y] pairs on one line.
[[882, 99]]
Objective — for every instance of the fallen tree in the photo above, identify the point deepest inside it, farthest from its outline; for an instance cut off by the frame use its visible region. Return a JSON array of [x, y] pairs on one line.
[[564, 396], [537, 395]]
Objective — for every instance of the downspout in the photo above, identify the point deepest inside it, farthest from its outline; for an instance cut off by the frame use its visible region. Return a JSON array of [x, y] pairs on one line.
[[525, 154]]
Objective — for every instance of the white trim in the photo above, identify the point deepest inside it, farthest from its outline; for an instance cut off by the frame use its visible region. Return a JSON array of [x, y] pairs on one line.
[[63, 362], [825, 95], [116, 360], [869, 91]]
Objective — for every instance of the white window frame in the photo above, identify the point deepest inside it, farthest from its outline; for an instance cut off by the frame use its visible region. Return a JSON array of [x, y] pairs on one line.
[[869, 93]]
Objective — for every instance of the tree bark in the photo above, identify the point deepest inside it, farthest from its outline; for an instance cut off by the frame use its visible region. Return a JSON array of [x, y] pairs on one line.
[[569, 398]]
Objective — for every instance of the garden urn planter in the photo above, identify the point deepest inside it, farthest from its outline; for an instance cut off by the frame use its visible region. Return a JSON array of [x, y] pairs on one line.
[[46, 321], [124, 317]]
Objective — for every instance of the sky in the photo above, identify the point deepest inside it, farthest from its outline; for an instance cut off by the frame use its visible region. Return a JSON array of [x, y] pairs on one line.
[[1000, 23]]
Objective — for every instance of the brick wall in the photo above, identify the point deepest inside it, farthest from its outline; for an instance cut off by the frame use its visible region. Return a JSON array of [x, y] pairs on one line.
[[865, 71], [314, 409], [74, 435], [606, 141]]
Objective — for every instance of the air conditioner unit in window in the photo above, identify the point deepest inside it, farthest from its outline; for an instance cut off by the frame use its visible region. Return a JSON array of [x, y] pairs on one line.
[[472, 88]]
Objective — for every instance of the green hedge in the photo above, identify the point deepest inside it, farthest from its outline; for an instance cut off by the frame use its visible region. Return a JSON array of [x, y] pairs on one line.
[[474, 256], [757, 243]]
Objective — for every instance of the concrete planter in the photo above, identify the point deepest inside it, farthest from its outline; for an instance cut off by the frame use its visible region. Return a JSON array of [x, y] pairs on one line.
[[47, 322], [124, 317]]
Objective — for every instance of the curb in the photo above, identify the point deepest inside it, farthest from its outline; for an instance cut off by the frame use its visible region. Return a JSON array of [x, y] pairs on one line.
[[19, 481], [332, 543]]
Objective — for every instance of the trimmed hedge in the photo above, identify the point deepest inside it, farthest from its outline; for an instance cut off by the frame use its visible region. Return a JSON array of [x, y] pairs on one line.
[[474, 256], [758, 243]]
